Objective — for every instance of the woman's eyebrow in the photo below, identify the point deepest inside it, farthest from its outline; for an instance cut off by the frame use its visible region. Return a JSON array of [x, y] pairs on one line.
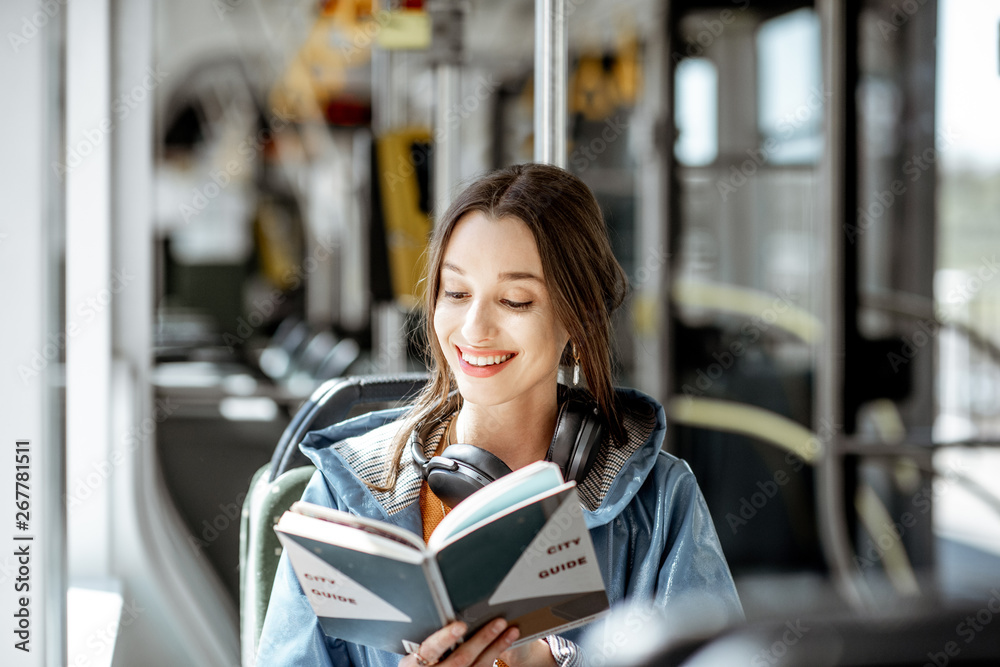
[[519, 275], [506, 276]]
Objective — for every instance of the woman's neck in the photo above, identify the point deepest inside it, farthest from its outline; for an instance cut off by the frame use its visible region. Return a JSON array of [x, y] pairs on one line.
[[518, 432]]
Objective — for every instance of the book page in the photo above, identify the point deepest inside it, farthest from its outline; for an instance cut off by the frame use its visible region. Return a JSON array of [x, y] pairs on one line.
[[365, 540], [370, 526]]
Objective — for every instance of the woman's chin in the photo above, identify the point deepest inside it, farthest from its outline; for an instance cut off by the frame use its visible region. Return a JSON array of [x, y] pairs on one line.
[[476, 390]]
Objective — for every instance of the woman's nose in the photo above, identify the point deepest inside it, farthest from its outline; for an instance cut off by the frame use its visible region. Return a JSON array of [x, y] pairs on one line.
[[480, 322]]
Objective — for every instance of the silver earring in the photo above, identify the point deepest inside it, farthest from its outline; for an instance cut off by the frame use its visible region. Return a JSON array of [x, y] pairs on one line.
[[576, 366]]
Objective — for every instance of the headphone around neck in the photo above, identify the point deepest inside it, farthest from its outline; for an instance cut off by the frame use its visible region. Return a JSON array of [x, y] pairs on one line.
[[462, 469]]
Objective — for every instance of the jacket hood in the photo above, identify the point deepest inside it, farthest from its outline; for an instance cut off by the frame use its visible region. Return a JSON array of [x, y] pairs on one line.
[[354, 453]]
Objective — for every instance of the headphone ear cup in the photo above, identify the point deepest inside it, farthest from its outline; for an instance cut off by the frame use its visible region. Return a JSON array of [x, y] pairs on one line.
[[461, 470], [577, 439]]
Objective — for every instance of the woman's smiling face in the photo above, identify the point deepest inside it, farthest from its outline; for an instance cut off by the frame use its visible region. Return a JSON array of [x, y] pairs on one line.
[[493, 318]]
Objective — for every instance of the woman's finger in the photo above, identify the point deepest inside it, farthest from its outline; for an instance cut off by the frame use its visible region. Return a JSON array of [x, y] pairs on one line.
[[435, 646], [484, 646]]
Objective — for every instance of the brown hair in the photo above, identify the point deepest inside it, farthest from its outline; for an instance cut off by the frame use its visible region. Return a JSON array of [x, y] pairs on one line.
[[585, 281]]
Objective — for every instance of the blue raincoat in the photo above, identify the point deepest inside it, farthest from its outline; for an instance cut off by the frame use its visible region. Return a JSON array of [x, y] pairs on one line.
[[651, 528]]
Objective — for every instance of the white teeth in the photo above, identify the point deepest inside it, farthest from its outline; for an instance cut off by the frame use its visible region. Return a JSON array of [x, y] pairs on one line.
[[485, 361]]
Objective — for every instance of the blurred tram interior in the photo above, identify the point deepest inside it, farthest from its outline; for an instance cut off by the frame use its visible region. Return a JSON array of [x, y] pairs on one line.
[[803, 195]]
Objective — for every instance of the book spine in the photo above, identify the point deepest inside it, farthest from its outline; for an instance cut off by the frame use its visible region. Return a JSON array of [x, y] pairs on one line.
[[441, 598]]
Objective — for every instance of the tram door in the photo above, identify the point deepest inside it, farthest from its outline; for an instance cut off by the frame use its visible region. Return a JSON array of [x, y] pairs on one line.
[[789, 127]]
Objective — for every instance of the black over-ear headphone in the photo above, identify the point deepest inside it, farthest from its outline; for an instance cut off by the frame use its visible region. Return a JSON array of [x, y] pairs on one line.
[[463, 469]]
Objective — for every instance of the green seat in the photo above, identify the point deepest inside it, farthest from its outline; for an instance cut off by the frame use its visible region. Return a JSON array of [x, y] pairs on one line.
[[260, 549]]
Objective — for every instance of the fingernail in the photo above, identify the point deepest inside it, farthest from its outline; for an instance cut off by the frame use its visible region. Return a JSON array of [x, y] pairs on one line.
[[458, 631], [499, 625], [513, 635]]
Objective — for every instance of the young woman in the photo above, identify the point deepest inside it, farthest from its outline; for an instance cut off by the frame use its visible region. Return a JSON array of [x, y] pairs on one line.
[[521, 280]]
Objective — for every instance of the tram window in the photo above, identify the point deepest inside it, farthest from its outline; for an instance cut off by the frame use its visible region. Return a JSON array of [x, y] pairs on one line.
[[697, 89], [790, 88], [964, 158]]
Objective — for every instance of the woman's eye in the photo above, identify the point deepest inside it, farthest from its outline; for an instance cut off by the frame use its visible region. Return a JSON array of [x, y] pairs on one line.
[[516, 305], [455, 296]]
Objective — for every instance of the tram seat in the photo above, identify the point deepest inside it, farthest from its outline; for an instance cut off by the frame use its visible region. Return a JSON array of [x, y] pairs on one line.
[[277, 484], [298, 350]]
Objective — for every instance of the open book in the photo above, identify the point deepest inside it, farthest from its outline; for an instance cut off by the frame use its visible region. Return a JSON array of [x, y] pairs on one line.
[[518, 548]]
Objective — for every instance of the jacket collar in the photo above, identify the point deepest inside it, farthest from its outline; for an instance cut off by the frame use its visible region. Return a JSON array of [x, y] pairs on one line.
[[356, 451], [619, 472]]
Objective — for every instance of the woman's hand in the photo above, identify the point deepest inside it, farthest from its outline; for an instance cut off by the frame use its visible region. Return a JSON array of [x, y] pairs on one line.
[[480, 650]]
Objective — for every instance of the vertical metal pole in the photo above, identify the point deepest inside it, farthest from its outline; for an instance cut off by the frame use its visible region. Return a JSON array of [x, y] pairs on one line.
[[388, 321], [446, 53], [653, 361], [446, 137], [829, 397], [550, 82]]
